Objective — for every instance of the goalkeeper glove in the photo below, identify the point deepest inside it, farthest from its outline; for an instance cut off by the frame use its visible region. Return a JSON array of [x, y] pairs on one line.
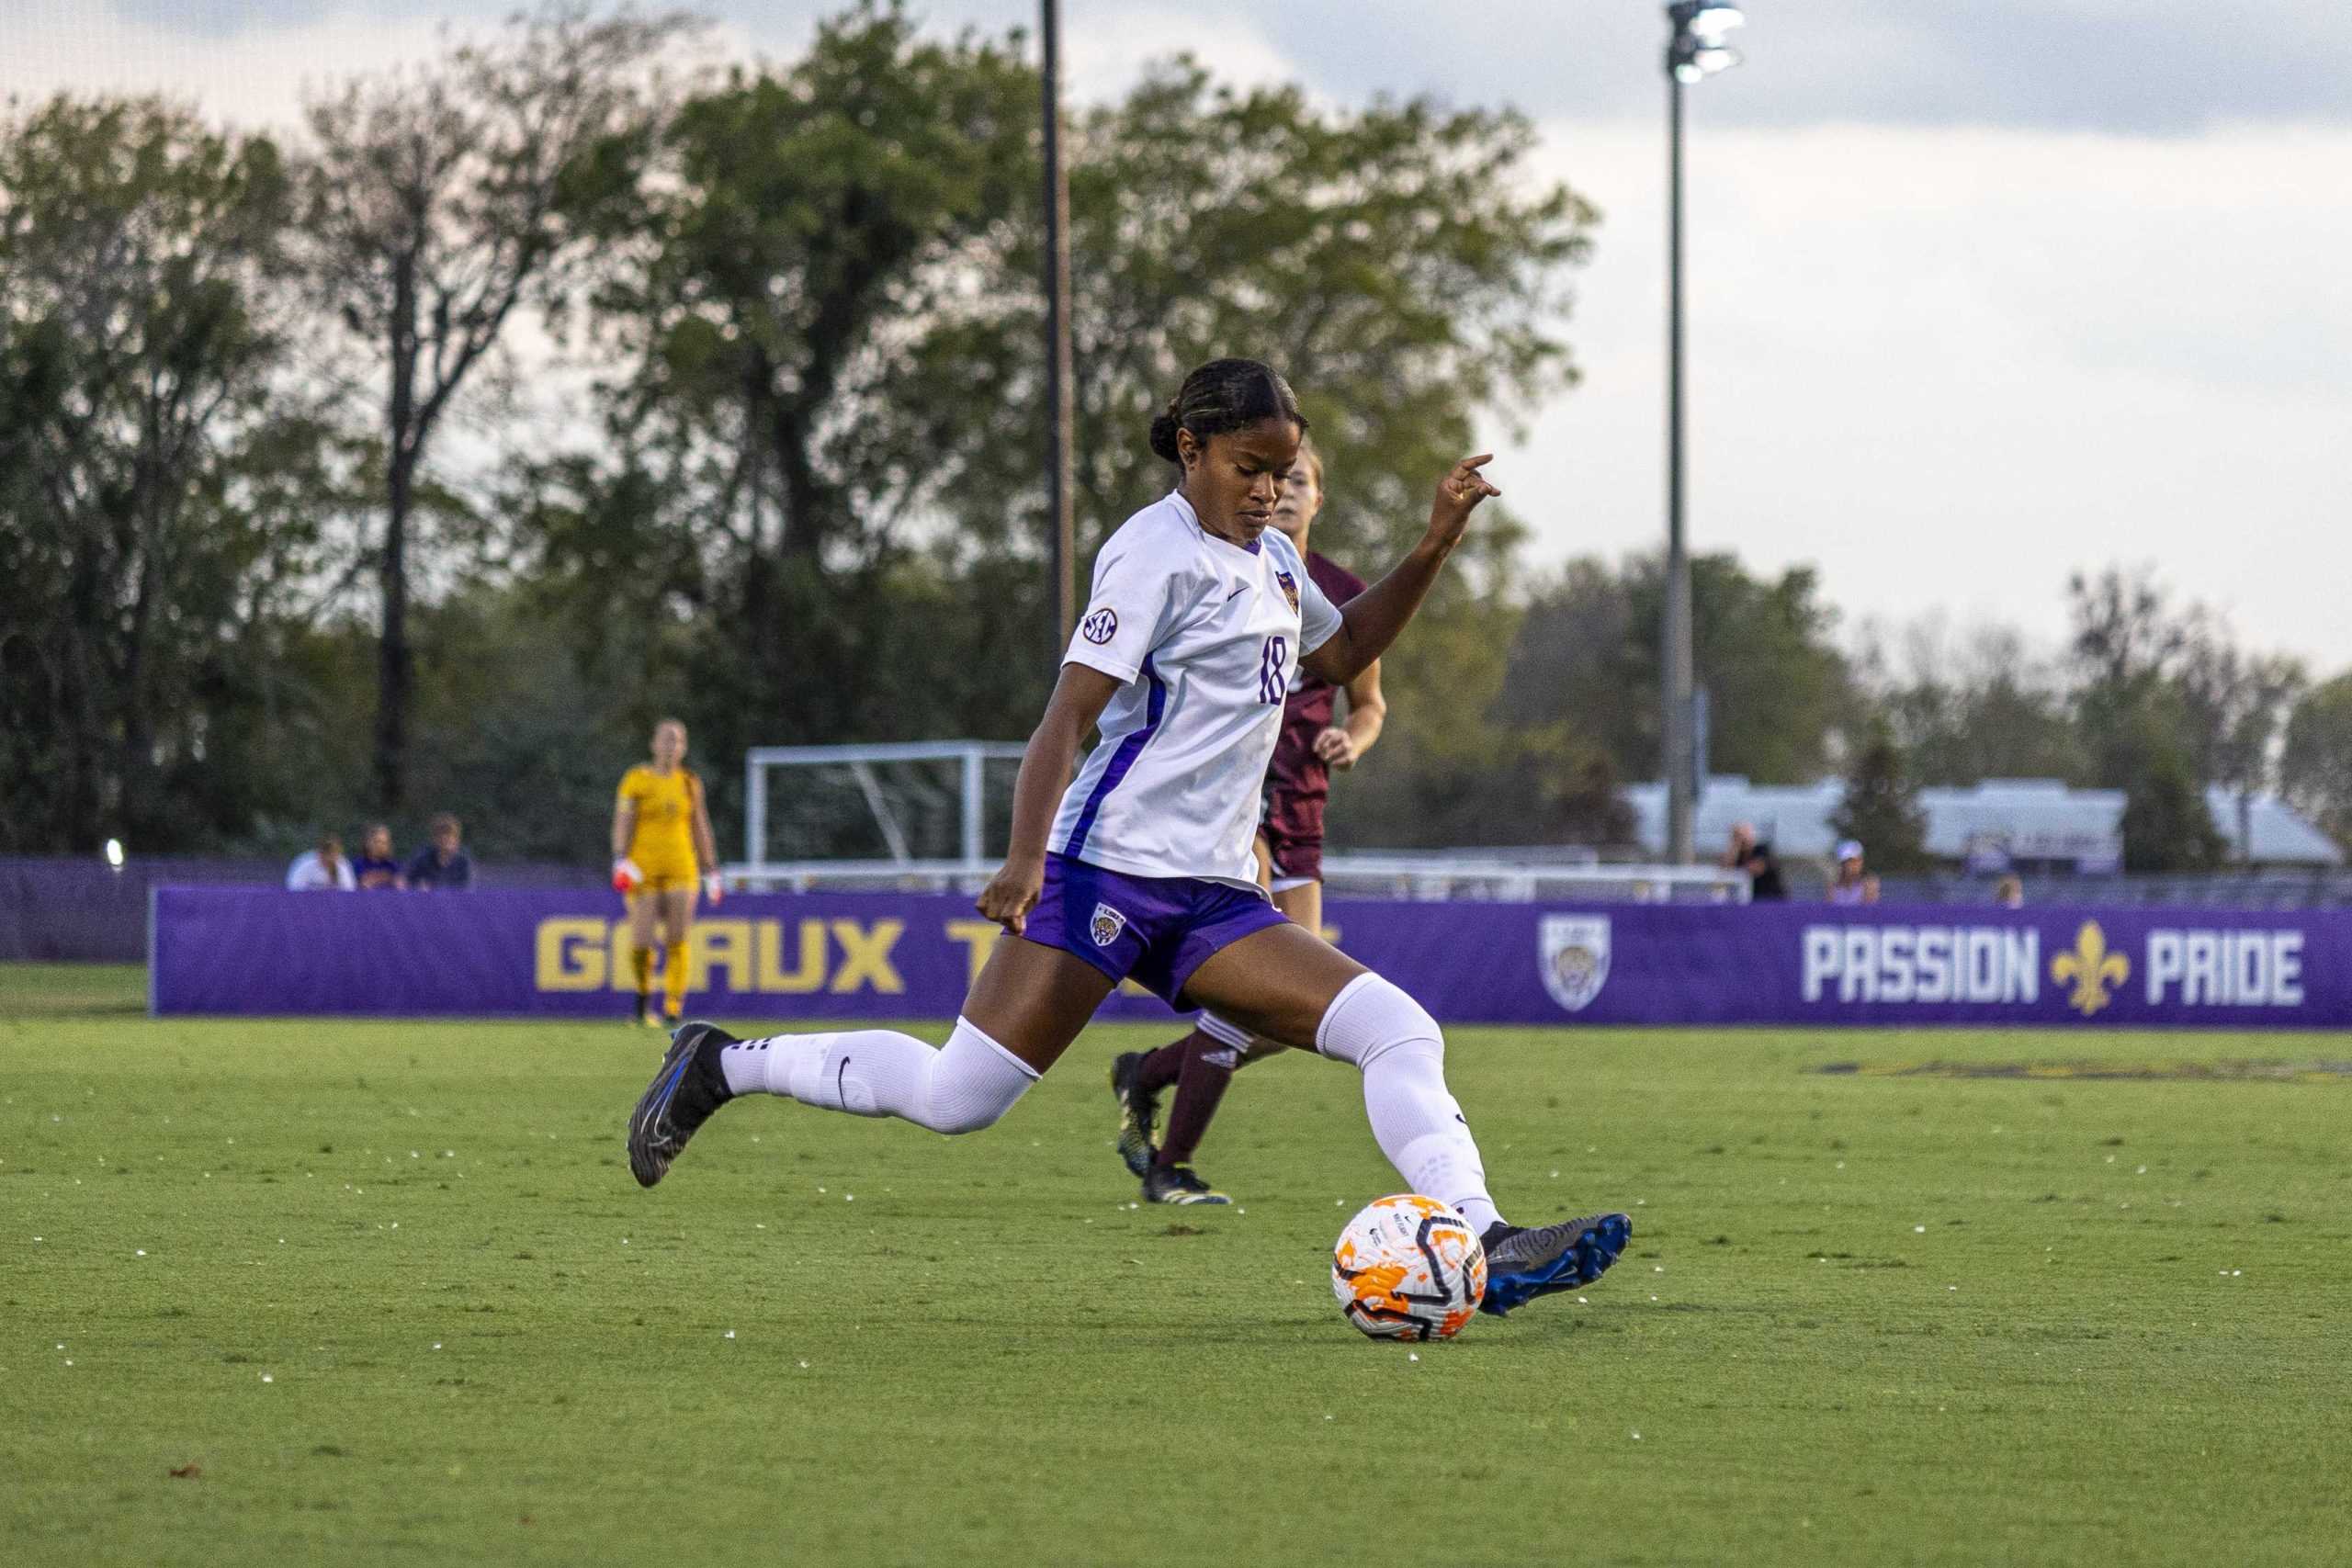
[[714, 886], [626, 876]]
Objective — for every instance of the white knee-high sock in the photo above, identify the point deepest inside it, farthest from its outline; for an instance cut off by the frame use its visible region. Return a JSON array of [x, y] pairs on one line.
[[1416, 1120], [962, 1087]]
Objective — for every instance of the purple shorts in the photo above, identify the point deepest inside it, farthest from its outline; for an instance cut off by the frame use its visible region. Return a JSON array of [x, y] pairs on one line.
[[1154, 929]]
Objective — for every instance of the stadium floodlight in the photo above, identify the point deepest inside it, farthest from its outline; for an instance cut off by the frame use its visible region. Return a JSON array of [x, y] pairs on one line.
[[114, 853], [1694, 51]]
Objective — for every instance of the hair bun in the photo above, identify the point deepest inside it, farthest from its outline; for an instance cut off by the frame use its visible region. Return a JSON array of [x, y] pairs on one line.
[[1163, 436]]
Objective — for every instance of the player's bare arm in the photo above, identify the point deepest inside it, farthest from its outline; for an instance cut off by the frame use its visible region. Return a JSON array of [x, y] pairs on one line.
[[706, 846], [1372, 620], [1079, 696], [1344, 744]]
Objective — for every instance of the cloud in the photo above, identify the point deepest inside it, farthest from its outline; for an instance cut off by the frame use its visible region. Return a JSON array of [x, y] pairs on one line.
[[2158, 66], [254, 75], [1950, 366], [2169, 67]]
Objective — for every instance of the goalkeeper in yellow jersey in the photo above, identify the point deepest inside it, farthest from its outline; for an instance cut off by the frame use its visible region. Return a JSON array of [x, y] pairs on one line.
[[662, 846]]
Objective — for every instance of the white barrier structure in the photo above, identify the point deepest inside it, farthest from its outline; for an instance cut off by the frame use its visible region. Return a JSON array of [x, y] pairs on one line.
[[927, 806]]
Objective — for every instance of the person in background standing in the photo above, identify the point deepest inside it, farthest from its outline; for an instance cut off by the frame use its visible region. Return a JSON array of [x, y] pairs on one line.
[[1852, 885], [662, 847], [2009, 893], [441, 865]]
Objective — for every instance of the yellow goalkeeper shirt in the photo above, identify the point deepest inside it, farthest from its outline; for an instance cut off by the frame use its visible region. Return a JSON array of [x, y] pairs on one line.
[[661, 842]]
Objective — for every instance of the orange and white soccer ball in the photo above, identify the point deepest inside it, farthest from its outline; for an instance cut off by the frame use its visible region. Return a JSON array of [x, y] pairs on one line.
[[1408, 1268]]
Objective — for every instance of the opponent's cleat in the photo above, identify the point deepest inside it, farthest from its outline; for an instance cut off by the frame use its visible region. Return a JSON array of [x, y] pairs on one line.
[[1177, 1184], [1138, 1113], [689, 1086], [643, 1015], [1525, 1263]]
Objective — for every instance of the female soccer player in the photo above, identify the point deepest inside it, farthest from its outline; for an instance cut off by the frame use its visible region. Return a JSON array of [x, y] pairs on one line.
[[1290, 859], [1198, 614], [661, 842]]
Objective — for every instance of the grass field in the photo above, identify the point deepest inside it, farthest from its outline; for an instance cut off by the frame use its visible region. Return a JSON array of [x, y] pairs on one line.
[[387, 1293]]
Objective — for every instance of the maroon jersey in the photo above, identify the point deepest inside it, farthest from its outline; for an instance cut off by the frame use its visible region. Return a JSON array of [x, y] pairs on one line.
[[1296, 773]]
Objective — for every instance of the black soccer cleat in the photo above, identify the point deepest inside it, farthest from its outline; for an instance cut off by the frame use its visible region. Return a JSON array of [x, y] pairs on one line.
[[1138, 1113], [1525, 1263], [1179, 1184], [688, 1088]]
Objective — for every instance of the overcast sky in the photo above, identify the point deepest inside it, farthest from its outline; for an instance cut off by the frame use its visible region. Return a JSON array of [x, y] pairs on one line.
[[1980, 293]]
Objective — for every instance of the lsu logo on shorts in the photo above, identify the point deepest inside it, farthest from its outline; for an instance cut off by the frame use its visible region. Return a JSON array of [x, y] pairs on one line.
[[1100, 626], [1107, 925]]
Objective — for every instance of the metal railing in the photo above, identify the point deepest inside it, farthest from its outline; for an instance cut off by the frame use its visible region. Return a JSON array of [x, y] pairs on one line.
[[1403, 876]]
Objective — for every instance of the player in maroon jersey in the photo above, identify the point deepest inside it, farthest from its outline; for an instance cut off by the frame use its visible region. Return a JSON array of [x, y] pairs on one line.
[[1290, 862]]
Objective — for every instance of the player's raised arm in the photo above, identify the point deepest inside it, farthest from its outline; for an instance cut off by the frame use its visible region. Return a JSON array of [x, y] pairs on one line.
[[1370, 621], [1079, 696]]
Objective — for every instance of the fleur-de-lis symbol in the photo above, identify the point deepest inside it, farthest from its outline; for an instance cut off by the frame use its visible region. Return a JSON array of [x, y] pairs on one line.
[[2091, 969]]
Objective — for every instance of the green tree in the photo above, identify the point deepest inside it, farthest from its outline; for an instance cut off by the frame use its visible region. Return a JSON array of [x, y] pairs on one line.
[[436, 204], [828, 440], [1779, 688], [1980, 707], [2128, 644], [2235, 705], [787, 421], [155, 559], [2316, 764], [1882, 804]]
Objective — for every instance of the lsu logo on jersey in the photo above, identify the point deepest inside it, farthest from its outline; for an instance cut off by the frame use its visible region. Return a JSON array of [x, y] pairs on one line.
[[1573, 952], [1107, 925], [1289, 586], [1100, 626]]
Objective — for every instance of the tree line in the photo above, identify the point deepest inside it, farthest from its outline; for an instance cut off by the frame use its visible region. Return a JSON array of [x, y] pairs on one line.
[[418, 460]]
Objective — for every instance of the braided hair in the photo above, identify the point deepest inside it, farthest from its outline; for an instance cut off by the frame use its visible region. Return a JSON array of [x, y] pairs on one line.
[[1223, 396]]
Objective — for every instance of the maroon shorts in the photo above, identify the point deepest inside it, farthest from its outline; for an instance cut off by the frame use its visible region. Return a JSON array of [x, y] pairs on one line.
[[1292, 828]]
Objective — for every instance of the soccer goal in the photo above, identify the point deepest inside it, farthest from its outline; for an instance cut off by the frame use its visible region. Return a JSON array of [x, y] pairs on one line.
[[914, 813]]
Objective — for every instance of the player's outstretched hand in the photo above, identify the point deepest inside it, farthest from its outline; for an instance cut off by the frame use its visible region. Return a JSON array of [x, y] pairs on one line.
[[1010, 894], [1458, 495]]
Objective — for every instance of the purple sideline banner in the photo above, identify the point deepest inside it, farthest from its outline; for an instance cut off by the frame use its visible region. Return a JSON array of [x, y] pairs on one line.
[[851, 955]]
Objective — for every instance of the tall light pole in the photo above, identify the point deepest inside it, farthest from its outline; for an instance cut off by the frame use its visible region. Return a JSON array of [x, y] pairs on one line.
[[1060, 413], [1693, 53]]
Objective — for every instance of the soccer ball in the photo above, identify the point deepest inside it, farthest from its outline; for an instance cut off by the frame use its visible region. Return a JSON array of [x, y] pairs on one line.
[[1408, 1268]]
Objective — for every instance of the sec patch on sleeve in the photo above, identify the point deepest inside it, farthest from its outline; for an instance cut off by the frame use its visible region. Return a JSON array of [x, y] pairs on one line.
[[1100, 626]]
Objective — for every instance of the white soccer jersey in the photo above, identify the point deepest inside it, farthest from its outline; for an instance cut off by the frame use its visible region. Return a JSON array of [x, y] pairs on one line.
[[1206, 635]]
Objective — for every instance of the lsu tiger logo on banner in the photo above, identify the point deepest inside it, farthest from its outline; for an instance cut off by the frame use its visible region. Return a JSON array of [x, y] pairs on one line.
[[1573, 952]]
